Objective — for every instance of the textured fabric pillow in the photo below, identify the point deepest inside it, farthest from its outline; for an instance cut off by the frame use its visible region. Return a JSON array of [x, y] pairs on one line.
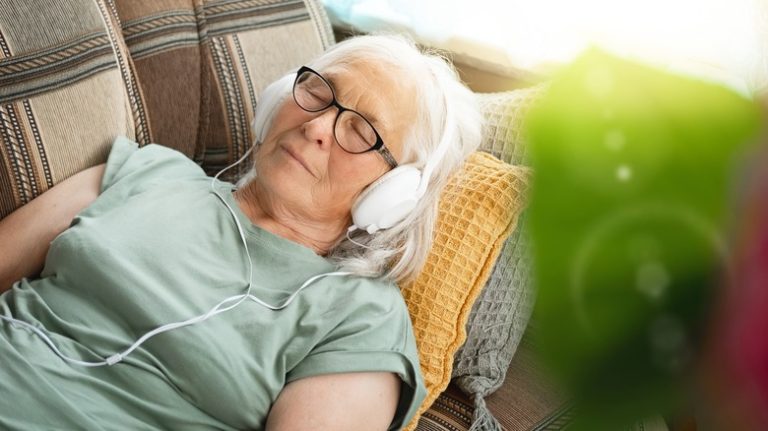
[[67, 89], [500, 314], [478, 210], [203, 64]]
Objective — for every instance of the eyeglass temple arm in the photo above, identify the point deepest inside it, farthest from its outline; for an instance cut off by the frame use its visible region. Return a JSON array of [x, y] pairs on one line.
[[388, 157]]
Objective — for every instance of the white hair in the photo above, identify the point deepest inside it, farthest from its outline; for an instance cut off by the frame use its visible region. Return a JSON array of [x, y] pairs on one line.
[[398, 253]]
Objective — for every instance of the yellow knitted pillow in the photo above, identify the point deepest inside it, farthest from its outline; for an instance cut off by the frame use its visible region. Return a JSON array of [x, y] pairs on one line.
[[478, 210]]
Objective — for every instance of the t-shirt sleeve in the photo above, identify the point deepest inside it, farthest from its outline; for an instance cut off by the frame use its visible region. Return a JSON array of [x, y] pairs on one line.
[[372, 337], [131, 168]]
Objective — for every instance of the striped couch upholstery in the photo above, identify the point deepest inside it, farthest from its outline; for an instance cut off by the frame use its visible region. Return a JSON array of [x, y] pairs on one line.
[[64, 94], [184, 73]]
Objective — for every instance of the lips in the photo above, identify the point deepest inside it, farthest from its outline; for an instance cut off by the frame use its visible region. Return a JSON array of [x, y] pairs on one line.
[[298, 158]]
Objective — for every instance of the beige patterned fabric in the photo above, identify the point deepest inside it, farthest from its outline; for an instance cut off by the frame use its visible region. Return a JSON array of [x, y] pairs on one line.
[[527, 401], [163, 38], [67, 89], [451, 411], [500, 315]]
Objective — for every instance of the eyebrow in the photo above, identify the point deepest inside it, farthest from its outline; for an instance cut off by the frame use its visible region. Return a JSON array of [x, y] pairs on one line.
[[368, 116]]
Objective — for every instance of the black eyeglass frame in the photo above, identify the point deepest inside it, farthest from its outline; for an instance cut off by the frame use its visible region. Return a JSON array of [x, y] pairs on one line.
[[378, 146]]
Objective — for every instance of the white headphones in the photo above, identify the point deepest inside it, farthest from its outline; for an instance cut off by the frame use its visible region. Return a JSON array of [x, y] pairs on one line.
[[393, 196]]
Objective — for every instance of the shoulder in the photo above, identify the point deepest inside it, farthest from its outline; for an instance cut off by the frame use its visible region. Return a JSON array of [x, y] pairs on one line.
[[371, 288], [363, 325], [369, 337], [354, 315], [129, 163]]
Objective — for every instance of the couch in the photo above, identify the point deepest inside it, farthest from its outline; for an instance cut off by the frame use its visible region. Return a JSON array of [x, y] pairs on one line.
[[187, 74]]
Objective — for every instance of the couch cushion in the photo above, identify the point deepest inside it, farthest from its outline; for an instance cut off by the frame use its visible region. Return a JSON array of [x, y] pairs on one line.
[[451, 411], [66, 91], [527, 400], [164, 41], [478, 210]]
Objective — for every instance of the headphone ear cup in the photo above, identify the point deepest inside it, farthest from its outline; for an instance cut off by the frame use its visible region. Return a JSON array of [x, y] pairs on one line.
[[388, 200]]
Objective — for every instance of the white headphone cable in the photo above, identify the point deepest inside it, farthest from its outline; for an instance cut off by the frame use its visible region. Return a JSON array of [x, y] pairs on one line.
[[118, 357], [352, 229]]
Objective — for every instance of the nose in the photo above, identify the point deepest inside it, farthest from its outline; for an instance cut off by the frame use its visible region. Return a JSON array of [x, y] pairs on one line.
[[319, 128]]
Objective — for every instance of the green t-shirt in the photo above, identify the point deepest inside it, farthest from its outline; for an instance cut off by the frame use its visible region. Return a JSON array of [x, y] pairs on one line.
[[157, 246]]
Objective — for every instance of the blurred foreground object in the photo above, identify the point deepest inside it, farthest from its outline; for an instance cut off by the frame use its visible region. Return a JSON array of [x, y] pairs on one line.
[[629, 213], [737, 365]]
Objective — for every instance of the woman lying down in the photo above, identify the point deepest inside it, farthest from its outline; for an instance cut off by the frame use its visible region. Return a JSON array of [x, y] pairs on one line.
[[167, 299]]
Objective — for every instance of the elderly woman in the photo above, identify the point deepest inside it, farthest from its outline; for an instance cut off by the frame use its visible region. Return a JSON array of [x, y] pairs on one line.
[[166, 299]]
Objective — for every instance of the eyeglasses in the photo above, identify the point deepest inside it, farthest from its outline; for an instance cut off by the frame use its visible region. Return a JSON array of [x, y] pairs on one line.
[[352, 131]]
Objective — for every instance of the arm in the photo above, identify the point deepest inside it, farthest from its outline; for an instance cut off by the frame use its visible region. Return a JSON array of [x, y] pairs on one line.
[[349, 401], [27, 232]]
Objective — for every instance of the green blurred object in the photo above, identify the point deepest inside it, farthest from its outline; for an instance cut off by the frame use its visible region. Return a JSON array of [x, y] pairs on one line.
[[633, 172]]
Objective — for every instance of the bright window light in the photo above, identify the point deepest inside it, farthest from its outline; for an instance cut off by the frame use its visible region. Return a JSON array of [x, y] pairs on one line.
[[724, 40]]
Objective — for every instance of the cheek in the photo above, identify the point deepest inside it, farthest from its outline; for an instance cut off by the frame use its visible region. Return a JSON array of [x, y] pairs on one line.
[[281, 182], [356, 171], [263, 153], [288, 116], [350, 179], [273, 167]]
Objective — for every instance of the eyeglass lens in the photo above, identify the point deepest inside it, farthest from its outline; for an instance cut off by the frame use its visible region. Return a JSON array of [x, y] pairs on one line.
[[353, 132]]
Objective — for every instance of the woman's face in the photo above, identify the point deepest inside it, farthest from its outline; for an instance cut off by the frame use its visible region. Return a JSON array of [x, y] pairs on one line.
[[300, 165]]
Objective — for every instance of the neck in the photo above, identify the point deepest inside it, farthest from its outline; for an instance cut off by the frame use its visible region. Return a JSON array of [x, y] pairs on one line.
[[271, 216]]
